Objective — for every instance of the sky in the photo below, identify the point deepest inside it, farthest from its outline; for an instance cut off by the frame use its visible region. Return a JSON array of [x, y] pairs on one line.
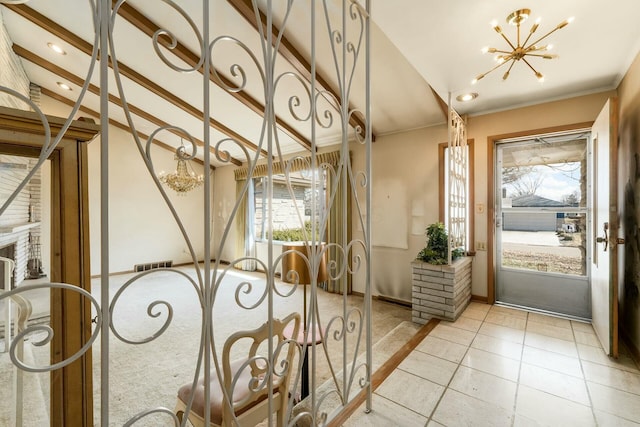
[[557, 181]]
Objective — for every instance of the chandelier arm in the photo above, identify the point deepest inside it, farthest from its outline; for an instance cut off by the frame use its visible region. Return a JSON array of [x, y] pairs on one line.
[[543, 37], [508, 41], [530, 66], [513, 62], [540, 55], [506, 75], [534, 48], [528, 37], [497, 66]]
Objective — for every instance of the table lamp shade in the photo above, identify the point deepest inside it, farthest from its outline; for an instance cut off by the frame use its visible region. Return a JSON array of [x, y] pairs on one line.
[[294, 261]]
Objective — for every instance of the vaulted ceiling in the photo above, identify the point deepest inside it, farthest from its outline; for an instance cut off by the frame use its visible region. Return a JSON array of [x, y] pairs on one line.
[[157, 96], [417, 45]]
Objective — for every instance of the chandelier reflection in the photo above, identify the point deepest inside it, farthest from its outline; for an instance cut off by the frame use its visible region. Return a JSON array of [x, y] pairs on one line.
[[521, 50], [184, 179]]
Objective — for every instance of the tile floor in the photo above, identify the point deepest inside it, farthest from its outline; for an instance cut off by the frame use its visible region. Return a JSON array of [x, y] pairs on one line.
[[497, 366]]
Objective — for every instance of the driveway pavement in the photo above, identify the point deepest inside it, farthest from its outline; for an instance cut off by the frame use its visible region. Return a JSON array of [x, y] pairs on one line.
[[536, 238]]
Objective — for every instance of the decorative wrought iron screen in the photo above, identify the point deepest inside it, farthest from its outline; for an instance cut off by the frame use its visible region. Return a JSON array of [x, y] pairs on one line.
[[457, 179], [291, 101]]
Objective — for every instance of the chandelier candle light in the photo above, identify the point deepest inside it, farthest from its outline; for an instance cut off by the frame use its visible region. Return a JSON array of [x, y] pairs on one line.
[[521, 50], [182, 180]]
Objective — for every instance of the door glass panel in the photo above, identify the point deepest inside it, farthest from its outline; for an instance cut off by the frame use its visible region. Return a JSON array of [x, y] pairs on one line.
[[543, 205]]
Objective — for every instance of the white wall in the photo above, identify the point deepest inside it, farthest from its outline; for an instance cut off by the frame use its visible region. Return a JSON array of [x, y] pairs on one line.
[[224, 201], [404, 202], [405, 183], [141, 227], [405, 173]]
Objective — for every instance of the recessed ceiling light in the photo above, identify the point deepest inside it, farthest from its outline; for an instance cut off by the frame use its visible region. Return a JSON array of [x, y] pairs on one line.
[[64, 86], [56, 48], [466, 97]]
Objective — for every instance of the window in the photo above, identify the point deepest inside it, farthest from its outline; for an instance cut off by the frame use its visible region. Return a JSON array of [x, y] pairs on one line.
[[292, 205]]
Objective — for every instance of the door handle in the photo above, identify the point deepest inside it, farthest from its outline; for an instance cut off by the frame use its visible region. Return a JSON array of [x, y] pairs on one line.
[[604, 239]]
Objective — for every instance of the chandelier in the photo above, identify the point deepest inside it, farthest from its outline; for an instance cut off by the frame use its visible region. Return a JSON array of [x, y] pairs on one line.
[[521, 50], [182, 180]]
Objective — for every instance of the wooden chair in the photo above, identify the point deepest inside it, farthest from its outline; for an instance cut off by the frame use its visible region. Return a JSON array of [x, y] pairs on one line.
[[250, 402]]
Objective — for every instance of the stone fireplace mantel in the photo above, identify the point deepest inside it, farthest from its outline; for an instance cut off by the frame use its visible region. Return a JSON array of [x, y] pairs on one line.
[[17, 228]]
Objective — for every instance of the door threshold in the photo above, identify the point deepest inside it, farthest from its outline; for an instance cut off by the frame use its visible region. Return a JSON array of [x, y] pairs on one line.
[[545, 312]]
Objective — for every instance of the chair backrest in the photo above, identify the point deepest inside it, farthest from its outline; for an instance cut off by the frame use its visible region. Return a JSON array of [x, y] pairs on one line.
[[253, 377]]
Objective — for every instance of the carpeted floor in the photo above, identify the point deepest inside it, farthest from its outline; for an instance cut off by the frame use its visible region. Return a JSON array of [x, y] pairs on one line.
[[147, 375]]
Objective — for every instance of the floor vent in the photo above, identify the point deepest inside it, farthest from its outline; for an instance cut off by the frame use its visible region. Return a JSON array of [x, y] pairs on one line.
[[150, 266]]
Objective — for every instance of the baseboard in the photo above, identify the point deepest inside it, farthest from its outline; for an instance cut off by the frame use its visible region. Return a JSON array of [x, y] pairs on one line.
[[118, 273], [384, 298], [393, 300], [478, 298]]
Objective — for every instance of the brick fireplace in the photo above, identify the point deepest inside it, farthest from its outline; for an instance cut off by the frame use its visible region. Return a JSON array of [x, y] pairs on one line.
[[21, 220]]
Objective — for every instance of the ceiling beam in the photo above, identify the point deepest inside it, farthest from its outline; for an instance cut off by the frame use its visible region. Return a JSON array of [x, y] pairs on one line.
[[80, 44], [115, 123], [148, 27], [61, 72], [293, 56]]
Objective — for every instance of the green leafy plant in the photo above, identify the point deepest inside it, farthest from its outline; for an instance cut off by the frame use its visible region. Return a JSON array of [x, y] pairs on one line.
[[293, 234], [437, 249]]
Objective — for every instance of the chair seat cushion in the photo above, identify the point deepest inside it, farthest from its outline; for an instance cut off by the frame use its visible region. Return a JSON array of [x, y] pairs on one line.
[[240, 392]]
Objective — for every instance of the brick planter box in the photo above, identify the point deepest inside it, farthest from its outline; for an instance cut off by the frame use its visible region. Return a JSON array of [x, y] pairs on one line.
[[441, 291]]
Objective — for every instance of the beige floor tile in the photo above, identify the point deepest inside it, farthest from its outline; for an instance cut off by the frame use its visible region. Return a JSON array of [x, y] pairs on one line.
[[508, 310], [612, 377], [429, 367], [554, 383], [587, 338], [479, 306], [548, 410], [449, 333], [443, 349], [385, 413], [484, 386], [465, 323], [582, 327], [555, 345], [411, 391], [550, 330], [522, 421], [492, 364], [457, 409], [552, 361], [507, 320], [502, 332], [473, 313], [605, 419], [497, 346], [434, 424], [549, 320], [617, 402], [597, 355]]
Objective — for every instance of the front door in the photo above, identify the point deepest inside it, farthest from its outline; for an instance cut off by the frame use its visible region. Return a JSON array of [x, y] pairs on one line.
[[604, 265], [541, 222]]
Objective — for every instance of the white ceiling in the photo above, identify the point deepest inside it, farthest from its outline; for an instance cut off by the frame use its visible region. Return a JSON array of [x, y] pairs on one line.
[[443, 41], [416, 45]]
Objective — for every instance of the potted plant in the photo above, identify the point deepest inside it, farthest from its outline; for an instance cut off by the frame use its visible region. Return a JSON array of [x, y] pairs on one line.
[[437, 250]]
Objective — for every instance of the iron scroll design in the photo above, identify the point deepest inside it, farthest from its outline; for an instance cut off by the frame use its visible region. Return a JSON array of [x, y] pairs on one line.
[[340, 26]]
